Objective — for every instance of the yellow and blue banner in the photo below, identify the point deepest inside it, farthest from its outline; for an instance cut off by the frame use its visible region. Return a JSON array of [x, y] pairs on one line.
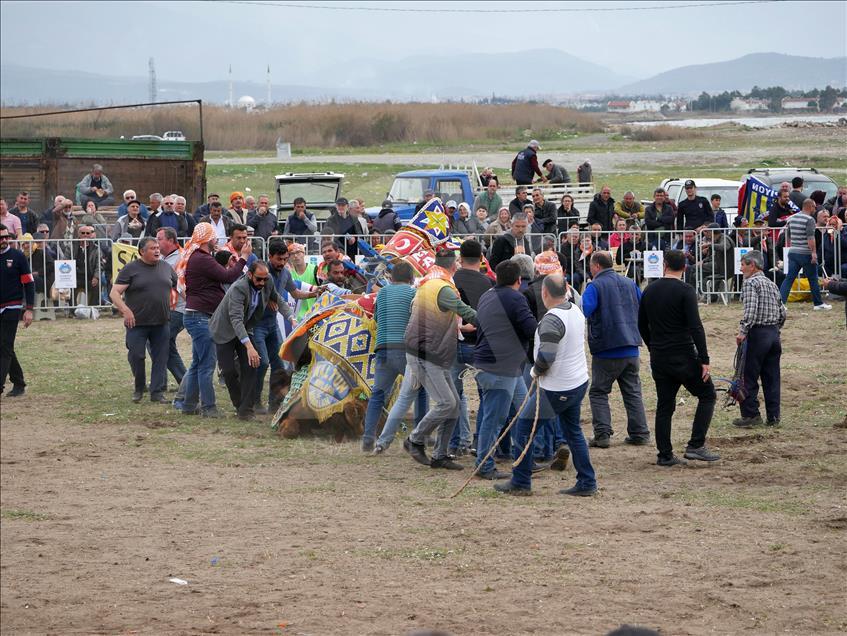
[[755, 197]]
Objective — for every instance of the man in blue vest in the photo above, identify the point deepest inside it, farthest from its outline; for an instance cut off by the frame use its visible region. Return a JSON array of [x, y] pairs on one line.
[[610, 304], [525, 165]]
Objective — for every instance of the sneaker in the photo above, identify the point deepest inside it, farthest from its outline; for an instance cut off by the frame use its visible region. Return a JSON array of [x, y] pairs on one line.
[[446, 463], [822, 307], [212, 413], [636, 441], [600, 441], [260, 409], [417, 451], [462, 451], [493, 475], [510, 489], [367, 447], [560, 461], [136, 396], [703, 454], [673, 460], [773, 422], [158, 398], [576, 491], [537, 468], [17, 391], [378, 450], [748, 422]]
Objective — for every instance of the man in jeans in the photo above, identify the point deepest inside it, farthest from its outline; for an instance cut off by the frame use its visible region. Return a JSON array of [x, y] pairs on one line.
[[146, 285], [392, 312], [201, 278], [803, 254], [669, 323], [610, 304], [506, 327], [562, 373], [430, 351], [170, 252], [472, 284]]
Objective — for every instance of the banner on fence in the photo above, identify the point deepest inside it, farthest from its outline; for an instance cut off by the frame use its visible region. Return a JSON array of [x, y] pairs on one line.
[[121, 255], [739, 252], [654, 264], [65, 274]]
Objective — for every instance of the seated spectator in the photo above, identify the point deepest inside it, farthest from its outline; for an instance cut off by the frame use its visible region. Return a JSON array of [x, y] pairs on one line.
[[95, 186], [130, 195], [566, 215], [42, 234], [498, 226], [89, 266], [569, 254], [91, 216], [598, 239], [718, 253], [221, 224], [387, 219], [617, 238], [169, 217], [341, 227], [630, 254], [517, 204], [688, 246], [486, 176], [249, 205], [301, 222], [482, 216], [582, 267], [130, 223], [466, 224], [10, 221], [203, 210], [28, 218], [629, 208], [262, 220]]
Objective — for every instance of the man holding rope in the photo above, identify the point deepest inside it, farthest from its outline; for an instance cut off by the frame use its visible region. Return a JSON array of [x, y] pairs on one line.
[[561, 371]]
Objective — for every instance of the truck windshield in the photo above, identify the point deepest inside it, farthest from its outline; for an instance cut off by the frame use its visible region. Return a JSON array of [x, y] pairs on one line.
[[314, 192], [408, 189]]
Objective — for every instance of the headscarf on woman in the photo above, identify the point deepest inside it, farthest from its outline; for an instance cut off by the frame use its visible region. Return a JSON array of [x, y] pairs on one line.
[[203, 233]]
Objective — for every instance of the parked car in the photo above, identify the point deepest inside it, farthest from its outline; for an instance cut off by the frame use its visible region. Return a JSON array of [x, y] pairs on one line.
[[174, 135], [812, 179]]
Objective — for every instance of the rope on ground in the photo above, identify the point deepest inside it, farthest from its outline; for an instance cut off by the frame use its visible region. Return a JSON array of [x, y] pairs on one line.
[[528, 444], [496, 443]]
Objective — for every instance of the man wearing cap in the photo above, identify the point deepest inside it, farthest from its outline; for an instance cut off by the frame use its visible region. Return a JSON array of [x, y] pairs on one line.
[[428, 195], [341, 227], [489, 199], [203, 210], [525, 165], [693, 211], [555, 172], [386, 221], [450, 210], [236, 211]]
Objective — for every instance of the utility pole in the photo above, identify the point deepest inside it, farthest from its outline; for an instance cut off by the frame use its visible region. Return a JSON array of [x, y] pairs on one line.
[[154, 91], [268, 100], [229, 101]]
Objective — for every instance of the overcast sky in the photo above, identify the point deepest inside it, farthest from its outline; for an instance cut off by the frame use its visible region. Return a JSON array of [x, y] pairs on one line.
[[197, 41]]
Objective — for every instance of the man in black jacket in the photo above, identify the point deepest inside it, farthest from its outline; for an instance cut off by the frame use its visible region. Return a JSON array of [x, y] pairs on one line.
[[602, 209], [658, 216], [511, 243], [545, 212], [516, 204], [693, 211], [17, 295]]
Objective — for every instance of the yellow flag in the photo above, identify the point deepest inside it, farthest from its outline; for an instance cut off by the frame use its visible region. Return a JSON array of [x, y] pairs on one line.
[[121, 255]]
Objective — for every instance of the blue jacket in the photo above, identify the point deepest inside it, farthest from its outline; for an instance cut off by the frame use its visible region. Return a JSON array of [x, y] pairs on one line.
[[610, 304], [506, 328]]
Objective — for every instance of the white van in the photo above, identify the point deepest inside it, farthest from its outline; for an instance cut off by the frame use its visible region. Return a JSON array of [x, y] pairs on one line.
[[174, 135]]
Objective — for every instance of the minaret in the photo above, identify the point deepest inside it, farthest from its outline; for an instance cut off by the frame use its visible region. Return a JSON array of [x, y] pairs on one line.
[[268, 99], [230, 102]]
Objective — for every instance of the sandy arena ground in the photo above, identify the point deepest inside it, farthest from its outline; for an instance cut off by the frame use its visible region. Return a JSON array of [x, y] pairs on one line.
[[104, 501]]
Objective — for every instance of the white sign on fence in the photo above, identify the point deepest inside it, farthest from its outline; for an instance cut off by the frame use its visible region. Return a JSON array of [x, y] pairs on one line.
[[654, 264], [739, 252], [65, 272], [785, 260]]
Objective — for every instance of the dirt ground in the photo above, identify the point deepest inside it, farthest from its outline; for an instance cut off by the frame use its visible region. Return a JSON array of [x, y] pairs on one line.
[[104, 501]]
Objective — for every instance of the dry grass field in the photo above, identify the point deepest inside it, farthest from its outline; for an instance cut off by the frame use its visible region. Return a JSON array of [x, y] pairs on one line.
[[104, 501]]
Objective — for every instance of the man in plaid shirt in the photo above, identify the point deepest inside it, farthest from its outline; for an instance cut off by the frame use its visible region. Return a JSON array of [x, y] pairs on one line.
[[764, 315]]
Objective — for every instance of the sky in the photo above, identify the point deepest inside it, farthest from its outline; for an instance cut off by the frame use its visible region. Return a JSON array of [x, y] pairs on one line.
[[198, 41]]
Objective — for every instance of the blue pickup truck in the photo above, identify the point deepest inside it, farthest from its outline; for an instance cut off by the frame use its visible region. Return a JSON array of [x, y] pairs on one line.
[[409, 187]]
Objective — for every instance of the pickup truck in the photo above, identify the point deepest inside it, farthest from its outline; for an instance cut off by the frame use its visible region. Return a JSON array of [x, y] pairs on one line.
[[728, 191], [462, 184]]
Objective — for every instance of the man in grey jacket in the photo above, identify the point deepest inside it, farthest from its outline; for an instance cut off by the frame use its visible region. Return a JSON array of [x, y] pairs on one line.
[[231, 328]]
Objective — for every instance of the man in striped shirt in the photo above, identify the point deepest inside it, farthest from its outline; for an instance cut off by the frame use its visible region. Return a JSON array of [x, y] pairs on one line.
[[803, 254], [764, 315]]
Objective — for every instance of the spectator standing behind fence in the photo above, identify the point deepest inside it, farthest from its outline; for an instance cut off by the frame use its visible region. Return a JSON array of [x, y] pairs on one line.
[[489, 199], [95, 186], [142, 293], [359, 218], [203, 210], [669, 323], [231, 328], [512, 242], [602, 209], [43, 273], [802, 255], [718, 211], [10, 221], [17, 297], [301, 222], [171, 253], [610, 304], [222, 225], [130, 223], [236, 211], [130, 195], [525, 164], [201, 278], [758, 333], [168, 217], [629, 208], [693, 211], [28, 218], [781, 210], [263, 221], [583, 172], [833, 241], [88, 259], [386, 221]]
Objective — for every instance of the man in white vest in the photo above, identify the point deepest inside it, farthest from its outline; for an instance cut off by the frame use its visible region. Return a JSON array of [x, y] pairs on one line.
[[562, 372]]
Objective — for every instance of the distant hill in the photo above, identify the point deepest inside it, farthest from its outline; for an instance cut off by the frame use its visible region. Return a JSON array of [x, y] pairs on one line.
[[758, 69]]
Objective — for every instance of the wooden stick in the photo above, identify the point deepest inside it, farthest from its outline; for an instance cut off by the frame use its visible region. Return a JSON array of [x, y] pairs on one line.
[[534, 423], [496, 443]]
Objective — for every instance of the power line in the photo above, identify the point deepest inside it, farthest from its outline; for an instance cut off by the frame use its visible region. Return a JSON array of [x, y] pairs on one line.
[[429, 9]]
